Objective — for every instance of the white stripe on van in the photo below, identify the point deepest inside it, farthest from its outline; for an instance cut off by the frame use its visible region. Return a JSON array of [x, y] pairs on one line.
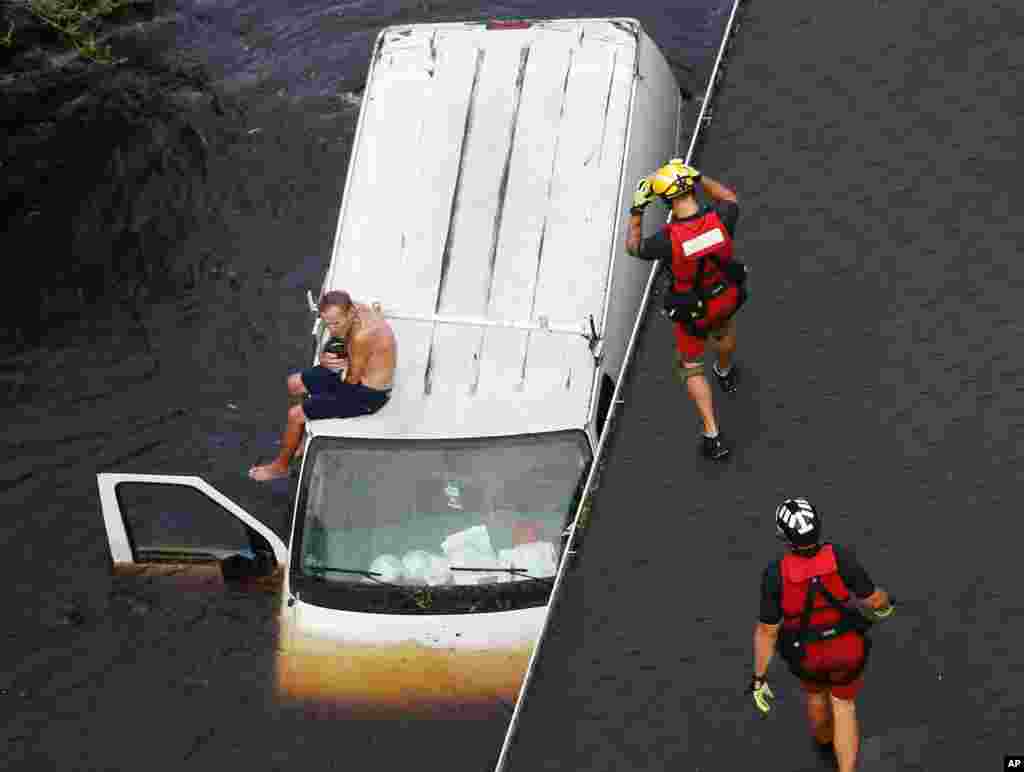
[[703, 241]]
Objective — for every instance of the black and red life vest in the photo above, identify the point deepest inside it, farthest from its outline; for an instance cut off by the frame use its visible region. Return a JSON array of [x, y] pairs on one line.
[[695, 238], [814, 613], [797, 573]]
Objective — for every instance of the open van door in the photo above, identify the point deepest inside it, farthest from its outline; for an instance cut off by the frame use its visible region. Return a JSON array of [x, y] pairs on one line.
[[183, 528]]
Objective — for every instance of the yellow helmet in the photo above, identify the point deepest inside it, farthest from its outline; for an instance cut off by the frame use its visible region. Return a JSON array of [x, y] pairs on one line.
[[674, 179]]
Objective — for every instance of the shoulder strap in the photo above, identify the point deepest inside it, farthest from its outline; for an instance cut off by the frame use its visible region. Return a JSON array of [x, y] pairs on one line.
[[813, 587], [698, 281], [832, 600], [849, 620]]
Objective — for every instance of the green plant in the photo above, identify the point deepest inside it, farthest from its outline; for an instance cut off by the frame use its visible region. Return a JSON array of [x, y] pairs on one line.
[[77, 21]]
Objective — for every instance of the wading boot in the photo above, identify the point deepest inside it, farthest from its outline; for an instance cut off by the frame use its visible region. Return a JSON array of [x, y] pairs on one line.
[[714, 448], [826, 752]]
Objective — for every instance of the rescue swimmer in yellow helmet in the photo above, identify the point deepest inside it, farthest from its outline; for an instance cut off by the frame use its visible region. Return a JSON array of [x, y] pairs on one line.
[[708, 283]]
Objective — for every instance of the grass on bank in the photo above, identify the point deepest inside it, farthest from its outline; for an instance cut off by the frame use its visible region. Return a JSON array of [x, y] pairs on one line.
[[76, 20]]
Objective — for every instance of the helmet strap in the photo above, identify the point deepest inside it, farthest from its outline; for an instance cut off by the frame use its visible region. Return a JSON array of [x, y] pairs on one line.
[[808, 551]]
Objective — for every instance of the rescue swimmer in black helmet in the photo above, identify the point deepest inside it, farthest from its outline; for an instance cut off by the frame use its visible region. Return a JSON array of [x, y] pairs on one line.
[[817, 605], [708, 283]]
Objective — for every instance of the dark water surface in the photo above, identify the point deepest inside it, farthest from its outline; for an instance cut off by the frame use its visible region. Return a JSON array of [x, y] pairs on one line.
[[319, 49], [874, 148], [197, 223]]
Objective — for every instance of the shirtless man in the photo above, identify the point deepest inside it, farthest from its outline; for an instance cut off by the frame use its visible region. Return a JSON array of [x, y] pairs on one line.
[[363, 388]]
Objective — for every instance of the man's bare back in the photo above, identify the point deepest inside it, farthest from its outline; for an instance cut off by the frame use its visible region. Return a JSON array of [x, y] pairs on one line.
[[372, 350]]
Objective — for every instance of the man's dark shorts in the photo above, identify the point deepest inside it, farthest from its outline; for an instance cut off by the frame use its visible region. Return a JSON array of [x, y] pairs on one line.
[[330, 397]]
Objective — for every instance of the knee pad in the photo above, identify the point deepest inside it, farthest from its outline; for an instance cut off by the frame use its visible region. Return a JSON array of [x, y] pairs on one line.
[[685, 373]]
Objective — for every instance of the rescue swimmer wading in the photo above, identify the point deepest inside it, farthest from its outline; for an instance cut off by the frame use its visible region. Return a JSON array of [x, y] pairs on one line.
[[708, 284], [817, 605]]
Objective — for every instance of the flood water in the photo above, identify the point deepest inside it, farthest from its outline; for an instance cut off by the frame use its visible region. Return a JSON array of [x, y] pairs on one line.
[[188, 378]]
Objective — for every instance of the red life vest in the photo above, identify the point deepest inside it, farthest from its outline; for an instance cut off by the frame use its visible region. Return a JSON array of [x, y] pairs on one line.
[[703, 236], [832, 648], [796, 574]]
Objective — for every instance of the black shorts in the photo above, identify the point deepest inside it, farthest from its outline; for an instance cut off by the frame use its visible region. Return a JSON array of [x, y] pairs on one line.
[[330, 397]]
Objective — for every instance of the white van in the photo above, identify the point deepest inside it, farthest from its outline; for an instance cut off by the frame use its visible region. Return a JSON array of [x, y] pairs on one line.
[[484, 211]]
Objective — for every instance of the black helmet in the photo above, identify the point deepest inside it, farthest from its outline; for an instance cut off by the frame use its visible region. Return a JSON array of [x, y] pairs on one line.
[[798, 523]]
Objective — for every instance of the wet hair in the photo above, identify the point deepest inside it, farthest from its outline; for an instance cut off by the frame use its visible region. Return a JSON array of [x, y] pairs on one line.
[[338, 298]]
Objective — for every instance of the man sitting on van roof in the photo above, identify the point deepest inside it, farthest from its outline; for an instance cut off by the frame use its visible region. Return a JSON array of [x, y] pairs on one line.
[[362, 389]]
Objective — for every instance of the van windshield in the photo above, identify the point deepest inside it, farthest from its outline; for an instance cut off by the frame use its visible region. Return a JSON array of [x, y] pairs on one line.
[[435, 526]]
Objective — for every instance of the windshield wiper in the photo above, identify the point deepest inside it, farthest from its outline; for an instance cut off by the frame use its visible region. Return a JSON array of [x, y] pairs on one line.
[[332, 569], [410, 593], [357, 571], [516, 571]]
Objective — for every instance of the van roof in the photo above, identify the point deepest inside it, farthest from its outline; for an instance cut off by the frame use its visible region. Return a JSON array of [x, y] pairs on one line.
[[484, 192]]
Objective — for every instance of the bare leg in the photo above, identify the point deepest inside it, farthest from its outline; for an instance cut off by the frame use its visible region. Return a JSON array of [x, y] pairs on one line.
[[289, 443], [700, 392], [297, 391], [726, 346], [819, 713], [847, 733], [296, 388]]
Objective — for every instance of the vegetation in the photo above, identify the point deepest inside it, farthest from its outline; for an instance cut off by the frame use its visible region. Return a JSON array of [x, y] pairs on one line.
[[76, 20]]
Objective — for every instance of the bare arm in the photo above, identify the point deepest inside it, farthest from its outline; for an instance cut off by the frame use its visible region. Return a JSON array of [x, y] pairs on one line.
[[655, 247], [765, 637], [331, 361], [633, 234], [716, 190], [878, 600]]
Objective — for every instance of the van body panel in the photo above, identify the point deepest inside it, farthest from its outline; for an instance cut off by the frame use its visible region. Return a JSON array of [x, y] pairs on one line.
[[652, 141], [496, 630], [488, 190], [387, 662], [483, 216]]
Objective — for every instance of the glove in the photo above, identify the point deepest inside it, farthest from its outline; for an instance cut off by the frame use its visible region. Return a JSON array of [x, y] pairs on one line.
[[643, 196], [762, 694], [877, 615]]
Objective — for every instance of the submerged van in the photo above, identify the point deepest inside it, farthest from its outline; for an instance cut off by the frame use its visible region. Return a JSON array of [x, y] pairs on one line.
[[483, 214]]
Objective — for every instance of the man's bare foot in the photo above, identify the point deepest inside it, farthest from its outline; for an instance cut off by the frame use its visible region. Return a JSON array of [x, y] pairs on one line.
[[271, 471]]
